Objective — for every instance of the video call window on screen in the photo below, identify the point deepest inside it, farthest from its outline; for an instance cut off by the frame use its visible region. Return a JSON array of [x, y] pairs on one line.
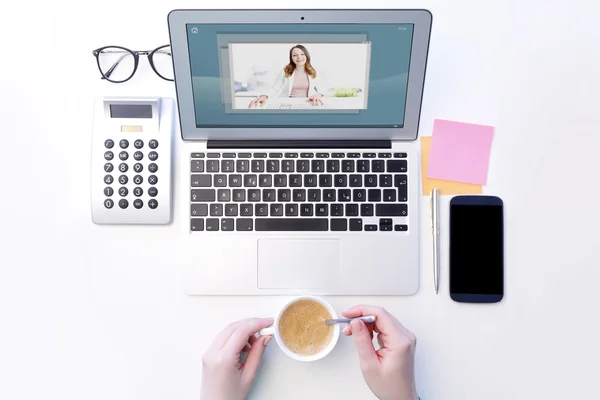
[[292, 76]]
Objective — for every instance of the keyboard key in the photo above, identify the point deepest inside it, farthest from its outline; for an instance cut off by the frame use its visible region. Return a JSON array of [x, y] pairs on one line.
[[391, 210], [269, 195], [291, 210], [318, 165], [295, 181], [276, 210], [197, 224], [199, 210], [228, 166], [322, 155], [216, 210], [325, 180], [306, 210], [339, 224], [369, 155], [374, 195], [322, 210], [385, 155], [280, 180], [307, 155], [212, 224], [224, 195], [231, 210], [201, 180], [220, 181], [244, 224], [194, 155], [363, 166], [344, 194], [258, 165], [340, 181], [351, 210], [284, 195], [244, 155], [329, 195], [385, 180], [401, 182], [265, 180], [275, 155], [213, 155], [355, 180], [370, 180], [242, 166], [385, 228], [291, 155], [228, 155], [239, 195], [260, 155], [291, 224], [359, 195], [338, 155], [356, 224], [287, 166], [202, 195], [299, 195], [397, 166], [353, 155], [314, 195], [310, 180], [389, 195], [212, 166], [227, 224], [197, 166], [366, 210], [253, 194], [337, 210], [246, 210], [272, 165], [250, 180], [400, 155], [235, 180], [401, 228], [370, 228], [347, 165], [302, 166], [333, 165], [261, 210], [378, 166]]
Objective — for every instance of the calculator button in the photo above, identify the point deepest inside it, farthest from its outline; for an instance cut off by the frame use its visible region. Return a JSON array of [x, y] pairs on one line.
[[138, 144], [152, 179], [138, 155], [153, 168], [123, 191], [108, 179], [123, 155], [108, 167], [138, 191], [138, 167], [138, 179], [153, 156], [153, 143], [123, 143], [137, 203], [123, 203], [109, 144], [123, 167], [108, 203], [123, 179], [108, 191], [108, 155], [152, 192], [153, 204]]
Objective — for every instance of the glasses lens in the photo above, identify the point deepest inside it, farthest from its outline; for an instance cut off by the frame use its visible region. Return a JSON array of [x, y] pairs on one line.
[[163, 63], [116, 64]]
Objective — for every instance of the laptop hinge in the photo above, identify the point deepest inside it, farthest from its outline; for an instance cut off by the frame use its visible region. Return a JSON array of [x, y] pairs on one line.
[[299, 144]]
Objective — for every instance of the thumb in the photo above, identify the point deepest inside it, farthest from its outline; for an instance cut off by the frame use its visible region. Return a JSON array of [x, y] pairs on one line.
[[364, 345], [254, 357]]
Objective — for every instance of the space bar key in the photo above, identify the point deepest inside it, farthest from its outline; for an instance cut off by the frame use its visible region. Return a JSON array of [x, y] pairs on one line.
[[290, 224]]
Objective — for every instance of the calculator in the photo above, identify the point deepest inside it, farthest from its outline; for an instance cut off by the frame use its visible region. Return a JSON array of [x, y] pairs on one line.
[[131, 161]]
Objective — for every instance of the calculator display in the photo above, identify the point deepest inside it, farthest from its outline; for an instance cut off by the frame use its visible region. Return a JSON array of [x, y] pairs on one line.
[[130, 111]]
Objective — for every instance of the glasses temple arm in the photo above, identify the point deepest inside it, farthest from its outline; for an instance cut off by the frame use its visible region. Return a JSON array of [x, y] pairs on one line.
[[112, 68]]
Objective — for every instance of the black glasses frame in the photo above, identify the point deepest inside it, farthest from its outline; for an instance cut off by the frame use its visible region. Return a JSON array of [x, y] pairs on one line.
[[136, 60]]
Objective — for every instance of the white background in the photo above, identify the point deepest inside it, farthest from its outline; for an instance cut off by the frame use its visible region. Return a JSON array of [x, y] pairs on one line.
[[91, 312], [337, 64]]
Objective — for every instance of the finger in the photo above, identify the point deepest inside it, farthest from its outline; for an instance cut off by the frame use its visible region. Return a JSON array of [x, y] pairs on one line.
[[384, 321], [246, 348], [253, 360], [252, 339], [364, 345], [224, 335], [242, 333], [380, 341]]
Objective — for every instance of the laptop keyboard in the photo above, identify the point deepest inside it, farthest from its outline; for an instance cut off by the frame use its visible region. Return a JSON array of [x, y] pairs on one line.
[[299, 192]]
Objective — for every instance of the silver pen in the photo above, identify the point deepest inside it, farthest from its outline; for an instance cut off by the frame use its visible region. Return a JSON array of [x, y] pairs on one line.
[[434, 205]]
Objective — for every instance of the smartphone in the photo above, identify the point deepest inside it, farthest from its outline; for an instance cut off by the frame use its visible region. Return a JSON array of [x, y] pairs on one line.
[[476, 249]]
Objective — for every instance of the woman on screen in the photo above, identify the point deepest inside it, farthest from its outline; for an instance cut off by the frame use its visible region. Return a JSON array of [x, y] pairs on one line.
[[297, 79]]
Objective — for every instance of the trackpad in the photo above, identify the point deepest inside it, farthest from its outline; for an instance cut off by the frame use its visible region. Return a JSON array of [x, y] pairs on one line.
[[298, 263]]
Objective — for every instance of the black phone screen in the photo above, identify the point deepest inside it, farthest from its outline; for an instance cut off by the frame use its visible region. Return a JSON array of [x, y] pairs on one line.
[[476, 250]]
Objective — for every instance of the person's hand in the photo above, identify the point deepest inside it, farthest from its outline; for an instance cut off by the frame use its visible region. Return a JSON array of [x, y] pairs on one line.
[[224, 376], [258, 102], [316, 99], [389, 371]]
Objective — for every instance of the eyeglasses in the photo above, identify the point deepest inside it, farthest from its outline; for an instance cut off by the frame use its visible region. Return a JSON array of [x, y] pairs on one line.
[[118, 64]]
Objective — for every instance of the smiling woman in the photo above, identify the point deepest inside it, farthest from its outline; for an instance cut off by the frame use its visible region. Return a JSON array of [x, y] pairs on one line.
[[297, 79]]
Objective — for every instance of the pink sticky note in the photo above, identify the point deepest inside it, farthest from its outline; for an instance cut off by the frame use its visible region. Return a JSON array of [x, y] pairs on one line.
[[460, 152]]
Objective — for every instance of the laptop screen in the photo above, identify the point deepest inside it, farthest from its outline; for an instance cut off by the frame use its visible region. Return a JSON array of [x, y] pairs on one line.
[[299, 75]]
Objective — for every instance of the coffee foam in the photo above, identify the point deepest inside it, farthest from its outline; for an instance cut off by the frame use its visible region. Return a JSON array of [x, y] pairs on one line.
[[302, 327]]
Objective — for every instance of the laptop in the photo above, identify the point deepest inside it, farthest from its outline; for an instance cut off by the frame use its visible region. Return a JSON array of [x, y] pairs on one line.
[[301, 161]]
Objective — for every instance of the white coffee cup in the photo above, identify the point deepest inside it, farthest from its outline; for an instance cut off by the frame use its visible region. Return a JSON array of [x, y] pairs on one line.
[[274, 331]]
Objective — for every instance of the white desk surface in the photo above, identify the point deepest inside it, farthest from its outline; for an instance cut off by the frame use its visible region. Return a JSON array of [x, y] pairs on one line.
[[90, 312]]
